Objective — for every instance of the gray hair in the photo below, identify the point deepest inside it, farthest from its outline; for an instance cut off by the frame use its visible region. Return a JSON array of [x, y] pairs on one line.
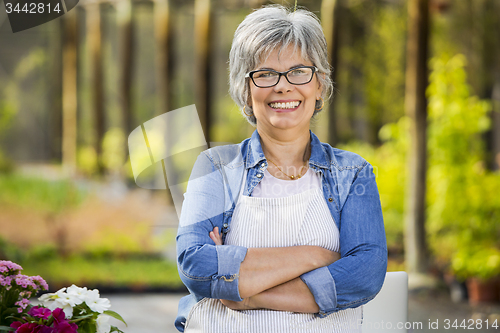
[[270, 28]]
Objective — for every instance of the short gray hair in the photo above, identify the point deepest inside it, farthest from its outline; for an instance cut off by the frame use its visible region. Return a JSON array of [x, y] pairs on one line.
[[270, 28]]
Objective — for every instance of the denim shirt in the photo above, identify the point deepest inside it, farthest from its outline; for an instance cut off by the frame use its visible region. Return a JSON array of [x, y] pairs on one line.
[[350, 191]]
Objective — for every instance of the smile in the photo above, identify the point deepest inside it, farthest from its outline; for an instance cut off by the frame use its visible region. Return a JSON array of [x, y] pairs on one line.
[[287, 105]]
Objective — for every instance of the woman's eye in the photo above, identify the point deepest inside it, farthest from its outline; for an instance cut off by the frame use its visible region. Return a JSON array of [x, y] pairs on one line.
[[298, 72], [264, 74]]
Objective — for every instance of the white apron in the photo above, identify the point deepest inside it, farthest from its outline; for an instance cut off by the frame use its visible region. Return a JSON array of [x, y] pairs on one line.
[[299, 219]]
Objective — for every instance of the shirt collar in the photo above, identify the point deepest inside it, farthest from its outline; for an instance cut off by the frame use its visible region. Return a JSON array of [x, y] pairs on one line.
[[255, 155]]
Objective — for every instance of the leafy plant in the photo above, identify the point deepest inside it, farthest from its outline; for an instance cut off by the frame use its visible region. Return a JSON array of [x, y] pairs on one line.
[[463, 202], [483, 263]]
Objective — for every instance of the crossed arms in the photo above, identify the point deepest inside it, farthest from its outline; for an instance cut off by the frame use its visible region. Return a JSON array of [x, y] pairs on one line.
[[269, 277]]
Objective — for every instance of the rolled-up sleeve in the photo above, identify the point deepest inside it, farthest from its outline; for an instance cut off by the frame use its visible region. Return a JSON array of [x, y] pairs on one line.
[[207, 270], [358, 276]]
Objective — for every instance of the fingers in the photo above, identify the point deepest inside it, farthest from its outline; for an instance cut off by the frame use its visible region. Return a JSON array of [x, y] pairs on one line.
[[215, 236]]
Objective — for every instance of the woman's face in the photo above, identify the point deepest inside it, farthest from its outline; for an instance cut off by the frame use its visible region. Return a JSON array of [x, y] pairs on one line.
[[267, 102]]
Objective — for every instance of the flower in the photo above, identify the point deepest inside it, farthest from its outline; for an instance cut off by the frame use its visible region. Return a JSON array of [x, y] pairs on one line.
[[78, 294], [61, 325], [22, 304], [102, 324], [7, 267], [61, 300], [30, 328], [95, 303], [81, 305], [40, 312], [39, 282]]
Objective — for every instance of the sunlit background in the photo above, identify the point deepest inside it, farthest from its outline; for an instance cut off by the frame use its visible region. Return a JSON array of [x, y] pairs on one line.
[[73, 89]]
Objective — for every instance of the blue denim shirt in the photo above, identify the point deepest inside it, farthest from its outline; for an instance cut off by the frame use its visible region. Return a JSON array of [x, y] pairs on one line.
[[352, 197]]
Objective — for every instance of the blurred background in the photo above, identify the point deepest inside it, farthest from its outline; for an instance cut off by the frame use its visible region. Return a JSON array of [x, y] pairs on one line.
[[417, 94]]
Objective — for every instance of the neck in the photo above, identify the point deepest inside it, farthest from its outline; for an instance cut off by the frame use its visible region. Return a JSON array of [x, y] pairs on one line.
[[286, 149]]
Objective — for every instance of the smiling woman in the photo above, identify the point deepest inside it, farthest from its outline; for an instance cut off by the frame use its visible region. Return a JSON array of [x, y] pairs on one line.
[[280, 233]]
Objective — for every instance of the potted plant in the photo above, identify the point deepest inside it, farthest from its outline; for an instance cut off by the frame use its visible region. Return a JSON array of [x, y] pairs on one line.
[[480, 267]]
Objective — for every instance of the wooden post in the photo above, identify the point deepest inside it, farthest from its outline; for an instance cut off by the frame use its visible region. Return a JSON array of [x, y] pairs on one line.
[[94, 40], [163, 36], [330, 22], [203, 42], [416, 109], [69, 92], [125, 19]]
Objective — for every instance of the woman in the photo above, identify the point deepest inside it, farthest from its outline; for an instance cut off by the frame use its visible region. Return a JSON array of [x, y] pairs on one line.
[[280, 233]]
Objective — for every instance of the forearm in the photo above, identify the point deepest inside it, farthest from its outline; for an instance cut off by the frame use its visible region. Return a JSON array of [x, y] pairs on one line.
[[265, 268], [291, 296]]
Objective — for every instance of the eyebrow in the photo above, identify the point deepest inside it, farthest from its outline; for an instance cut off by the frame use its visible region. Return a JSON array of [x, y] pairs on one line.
[[272, 69]]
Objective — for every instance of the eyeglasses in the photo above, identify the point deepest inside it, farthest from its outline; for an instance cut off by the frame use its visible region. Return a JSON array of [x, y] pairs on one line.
[[265, 78]]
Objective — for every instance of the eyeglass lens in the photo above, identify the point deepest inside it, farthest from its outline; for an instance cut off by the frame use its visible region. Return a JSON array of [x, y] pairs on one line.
[[269, 78]]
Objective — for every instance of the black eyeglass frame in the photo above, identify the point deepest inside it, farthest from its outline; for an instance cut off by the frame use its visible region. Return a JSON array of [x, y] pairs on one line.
[[285, 74]]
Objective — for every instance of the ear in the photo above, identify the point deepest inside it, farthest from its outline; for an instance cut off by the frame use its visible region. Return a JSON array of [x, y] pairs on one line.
[[319, 91]]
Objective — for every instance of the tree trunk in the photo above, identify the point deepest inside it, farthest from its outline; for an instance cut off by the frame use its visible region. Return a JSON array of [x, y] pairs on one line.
[[164, 56], [203, 42], [56, 42], [94, 37], [126, 28], [69, 92], [330, 22], [416, 109]]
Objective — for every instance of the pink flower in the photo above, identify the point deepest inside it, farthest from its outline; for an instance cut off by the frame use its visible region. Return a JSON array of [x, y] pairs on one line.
[[28, 328], [58, 315], [65, 327], [40, 312], [61, 325], [23, 280], [5, 280], [40, 282], [16, 324], [8, 266], [22, 304]]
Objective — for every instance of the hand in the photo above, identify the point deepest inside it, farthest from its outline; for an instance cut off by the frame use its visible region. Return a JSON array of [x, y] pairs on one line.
[[216, 237], [245, 304]]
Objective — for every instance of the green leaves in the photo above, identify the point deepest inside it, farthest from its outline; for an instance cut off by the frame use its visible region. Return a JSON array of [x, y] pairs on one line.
[[6, 329], [115, 315]]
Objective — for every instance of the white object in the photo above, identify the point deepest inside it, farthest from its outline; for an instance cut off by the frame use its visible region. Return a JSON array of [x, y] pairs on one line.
[[388, 311]]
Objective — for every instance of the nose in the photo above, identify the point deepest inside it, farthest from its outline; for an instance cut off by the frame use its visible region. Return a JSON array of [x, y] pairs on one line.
[[283, 85]]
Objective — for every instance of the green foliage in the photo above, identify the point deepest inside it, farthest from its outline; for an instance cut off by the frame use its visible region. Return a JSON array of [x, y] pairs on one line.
[[479, 261], [463, 202], [9, 251], [389, 165], [384, 64], [108, 241], [113, 149], [463, 206], [95, 272], [87, 160], [50, 196]]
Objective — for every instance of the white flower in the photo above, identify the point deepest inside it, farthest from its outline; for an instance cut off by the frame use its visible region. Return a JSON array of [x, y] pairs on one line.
[[66, 298], [68, 311], [46, 298], [59, 299], [102, 324], [78, 294], [95, 303]]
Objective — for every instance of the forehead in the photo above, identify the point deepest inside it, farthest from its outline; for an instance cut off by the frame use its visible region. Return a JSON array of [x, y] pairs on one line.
[[283, 58]]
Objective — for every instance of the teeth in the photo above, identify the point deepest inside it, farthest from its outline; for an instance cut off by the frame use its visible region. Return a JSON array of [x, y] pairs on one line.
[[287, 105]]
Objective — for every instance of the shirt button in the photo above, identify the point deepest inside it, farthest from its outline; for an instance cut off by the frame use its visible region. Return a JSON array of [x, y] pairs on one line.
[[263, 165], [259, 175], [330, 199], [225, 225]]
